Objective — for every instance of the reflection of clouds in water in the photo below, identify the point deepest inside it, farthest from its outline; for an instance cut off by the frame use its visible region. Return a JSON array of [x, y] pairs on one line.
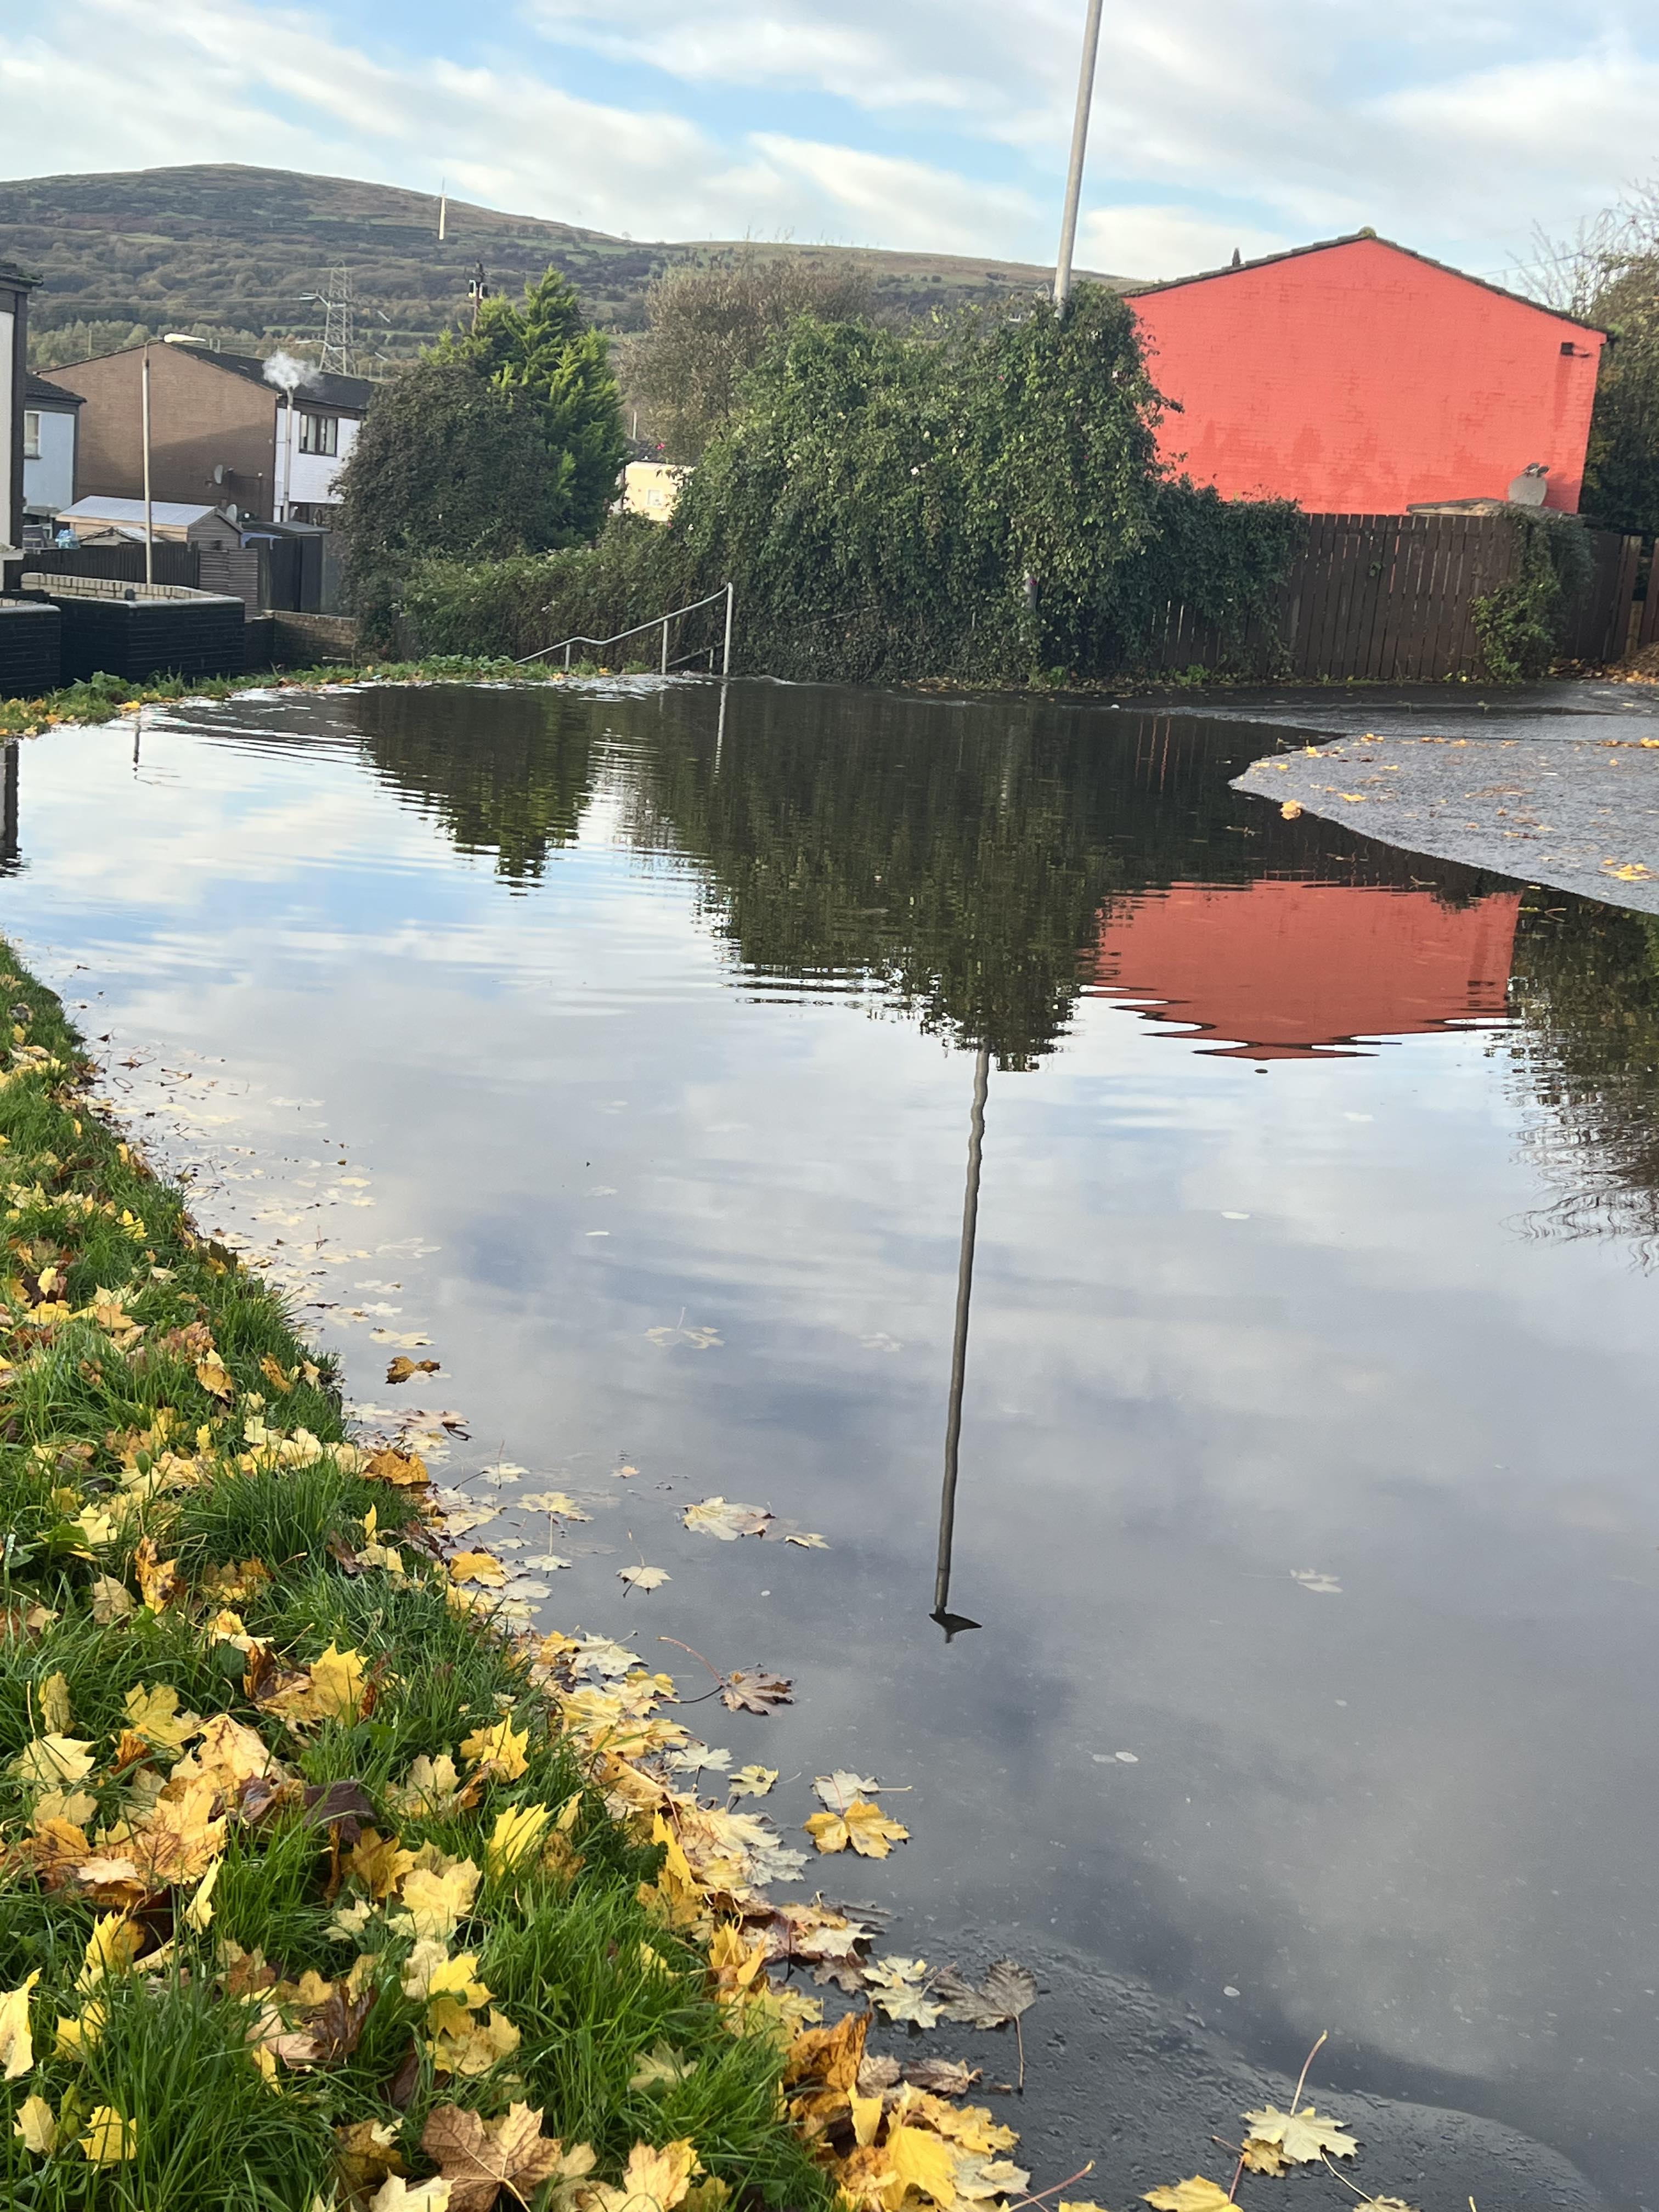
[[1203, 1409]]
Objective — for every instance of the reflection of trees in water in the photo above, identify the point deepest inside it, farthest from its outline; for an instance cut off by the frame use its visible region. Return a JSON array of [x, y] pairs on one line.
[[506, 772], [957, 857], [1584, 993]]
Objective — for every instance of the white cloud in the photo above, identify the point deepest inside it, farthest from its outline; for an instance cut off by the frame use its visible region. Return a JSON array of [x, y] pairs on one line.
[[1166, 242], [907, 202], [1213, 125]]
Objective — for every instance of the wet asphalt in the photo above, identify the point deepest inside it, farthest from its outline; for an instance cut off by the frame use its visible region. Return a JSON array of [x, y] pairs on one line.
[[1116, 2075], [1556, 783]]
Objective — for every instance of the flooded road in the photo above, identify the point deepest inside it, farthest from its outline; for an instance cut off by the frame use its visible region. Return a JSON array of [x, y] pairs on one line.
[[1305, 1517]]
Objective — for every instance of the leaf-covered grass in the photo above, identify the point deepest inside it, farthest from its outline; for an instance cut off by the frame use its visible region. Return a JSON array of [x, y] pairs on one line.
[[299, 1847]]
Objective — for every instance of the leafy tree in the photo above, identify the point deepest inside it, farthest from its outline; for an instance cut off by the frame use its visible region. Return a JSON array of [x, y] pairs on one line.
[[1622, 472], [446, 463], [706, 328], [1607, 273], [544, 349]]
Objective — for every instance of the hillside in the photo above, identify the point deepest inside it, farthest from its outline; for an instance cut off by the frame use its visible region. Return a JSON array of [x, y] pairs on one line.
[[233, 252]]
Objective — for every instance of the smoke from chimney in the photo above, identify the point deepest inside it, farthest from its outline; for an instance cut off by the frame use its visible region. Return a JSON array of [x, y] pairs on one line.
[[287, 373]]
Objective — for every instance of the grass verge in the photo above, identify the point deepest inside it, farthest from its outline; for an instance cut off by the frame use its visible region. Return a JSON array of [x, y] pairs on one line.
[[102, 697], [320, 1883]]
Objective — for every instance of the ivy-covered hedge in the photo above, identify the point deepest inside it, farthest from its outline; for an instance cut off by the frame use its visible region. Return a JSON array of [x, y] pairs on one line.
[[1523, 625], [984, 502]]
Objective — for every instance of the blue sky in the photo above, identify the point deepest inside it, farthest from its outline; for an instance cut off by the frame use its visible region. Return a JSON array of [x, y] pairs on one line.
[[926, 124]]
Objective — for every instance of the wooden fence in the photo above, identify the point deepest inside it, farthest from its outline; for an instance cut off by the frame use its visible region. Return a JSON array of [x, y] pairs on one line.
[[1390, 598]]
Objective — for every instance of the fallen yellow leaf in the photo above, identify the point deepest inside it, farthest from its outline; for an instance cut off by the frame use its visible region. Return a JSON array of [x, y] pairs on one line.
[[36, 2127], [499, 1750], [864, 1826], [109, 2139], [17, 2045]]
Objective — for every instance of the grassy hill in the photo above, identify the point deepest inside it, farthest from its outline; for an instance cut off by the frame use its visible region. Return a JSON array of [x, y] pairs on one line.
[[231, 253]]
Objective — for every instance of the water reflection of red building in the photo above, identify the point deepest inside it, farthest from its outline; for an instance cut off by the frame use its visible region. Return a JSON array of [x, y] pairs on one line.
[[1282, 969]]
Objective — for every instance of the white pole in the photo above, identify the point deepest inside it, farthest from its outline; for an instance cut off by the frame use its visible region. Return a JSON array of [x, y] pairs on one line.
[[725, 660], [664, 645], [288, 452], [149, 532], [1086, 92]]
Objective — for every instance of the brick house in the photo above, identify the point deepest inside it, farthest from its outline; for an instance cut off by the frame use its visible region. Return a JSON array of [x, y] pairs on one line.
[[1356, 376], [220, 432]]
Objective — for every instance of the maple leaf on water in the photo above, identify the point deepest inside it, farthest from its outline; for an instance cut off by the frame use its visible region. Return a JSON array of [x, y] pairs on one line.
[[1197, 2194], [1007, 1991], [943, 2077], [837, 1790], [643, 1578], [1261, 2157], [752, 1690], [898, 1986], [726, 1519], [864, 1826], [1302, 2137], [752, 1781], [480, 2158]]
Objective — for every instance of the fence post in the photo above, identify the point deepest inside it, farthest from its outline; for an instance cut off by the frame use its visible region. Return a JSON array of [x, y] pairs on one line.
[[725, 659], [664, 645], [567, 656]]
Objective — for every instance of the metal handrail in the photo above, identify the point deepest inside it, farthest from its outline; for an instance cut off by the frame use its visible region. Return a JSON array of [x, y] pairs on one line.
[[725, 591]]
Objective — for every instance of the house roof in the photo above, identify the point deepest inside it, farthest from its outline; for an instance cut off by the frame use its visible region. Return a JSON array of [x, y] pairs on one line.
[[37, 391], [120, 514], [1358, 238], [17, 279], [322, 387]]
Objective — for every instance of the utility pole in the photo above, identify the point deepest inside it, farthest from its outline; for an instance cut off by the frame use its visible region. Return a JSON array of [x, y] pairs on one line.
[[149, 530], [1086, 92]]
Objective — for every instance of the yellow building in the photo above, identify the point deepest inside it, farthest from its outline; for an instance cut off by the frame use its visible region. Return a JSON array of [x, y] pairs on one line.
[[651, 488]]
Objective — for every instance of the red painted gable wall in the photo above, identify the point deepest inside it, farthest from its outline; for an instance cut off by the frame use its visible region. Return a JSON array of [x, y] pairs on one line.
[[1357, 379]]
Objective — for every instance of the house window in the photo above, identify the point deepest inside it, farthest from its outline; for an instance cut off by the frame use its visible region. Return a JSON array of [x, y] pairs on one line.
[[320, 433], [31, 433]]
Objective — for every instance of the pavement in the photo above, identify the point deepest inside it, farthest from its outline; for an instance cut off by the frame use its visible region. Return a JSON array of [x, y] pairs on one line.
[[1554, 784]]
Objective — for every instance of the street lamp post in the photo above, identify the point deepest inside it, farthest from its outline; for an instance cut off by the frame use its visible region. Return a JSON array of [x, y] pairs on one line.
[[1085, 91], [149, 532]]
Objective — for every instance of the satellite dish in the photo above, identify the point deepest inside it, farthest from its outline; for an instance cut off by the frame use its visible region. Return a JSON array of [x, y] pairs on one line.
[[218, 473], [1528, 488]]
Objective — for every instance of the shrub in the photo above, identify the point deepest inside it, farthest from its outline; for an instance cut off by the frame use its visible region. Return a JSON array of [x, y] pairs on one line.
[[1522, 625]]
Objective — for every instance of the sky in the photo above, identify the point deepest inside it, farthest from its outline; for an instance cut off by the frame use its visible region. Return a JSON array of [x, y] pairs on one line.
[[928, 125]]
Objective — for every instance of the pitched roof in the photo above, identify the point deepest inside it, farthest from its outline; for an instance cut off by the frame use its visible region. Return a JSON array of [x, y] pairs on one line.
[[323, 386], [45, 394], [1359, 238]]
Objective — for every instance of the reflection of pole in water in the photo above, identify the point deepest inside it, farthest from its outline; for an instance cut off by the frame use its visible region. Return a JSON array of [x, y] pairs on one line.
[[719, 727], [8, 809], [949, 1621]]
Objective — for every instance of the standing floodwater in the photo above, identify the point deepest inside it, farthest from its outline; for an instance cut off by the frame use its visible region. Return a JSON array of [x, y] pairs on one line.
[[625, 1049]]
